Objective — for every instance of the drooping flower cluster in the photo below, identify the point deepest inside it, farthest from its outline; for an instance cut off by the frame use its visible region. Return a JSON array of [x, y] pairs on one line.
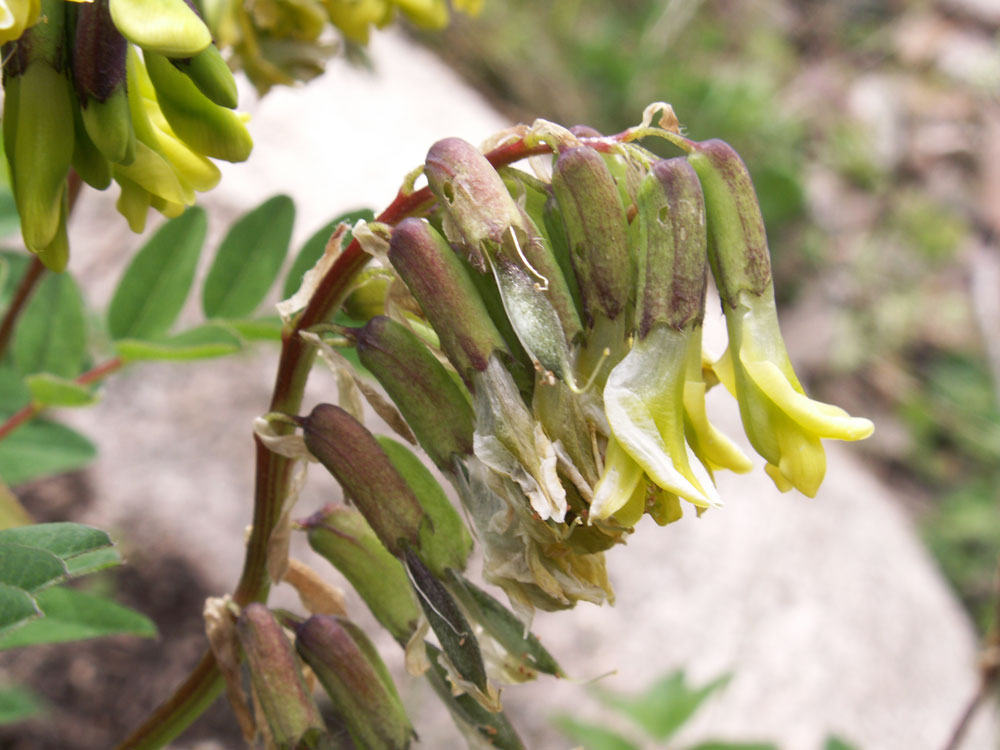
[[567, 306], [117, 91], [138, 93]]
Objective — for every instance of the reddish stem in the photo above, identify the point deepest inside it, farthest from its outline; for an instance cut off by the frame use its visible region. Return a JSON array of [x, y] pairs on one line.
[[21, 297], [273, 472]]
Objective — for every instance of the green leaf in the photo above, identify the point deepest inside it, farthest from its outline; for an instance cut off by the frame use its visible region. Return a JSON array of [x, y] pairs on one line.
[[313, 249], [205, 341], [14, 391], [665, 706], [19, 703], [51, 332], [9, 220], [40, 448], [834, 742], [16, 607], [249, 259], [258, 329], [51, 390], [30, 568], [592, 736], [152, 291], [90, 562], [72, 615], [63, 539]]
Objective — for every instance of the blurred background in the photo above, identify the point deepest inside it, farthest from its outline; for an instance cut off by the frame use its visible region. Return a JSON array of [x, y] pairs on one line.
[[872, 131]]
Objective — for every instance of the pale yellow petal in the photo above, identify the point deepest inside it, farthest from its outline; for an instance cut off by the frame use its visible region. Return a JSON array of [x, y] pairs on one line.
[[823, 420]]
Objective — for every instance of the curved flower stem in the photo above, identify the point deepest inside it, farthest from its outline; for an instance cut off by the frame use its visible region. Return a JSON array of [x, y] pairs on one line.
[[273, 472], [28, 412]]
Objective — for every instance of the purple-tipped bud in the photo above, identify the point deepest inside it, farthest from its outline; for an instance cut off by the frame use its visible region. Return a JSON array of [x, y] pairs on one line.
[[472, 194], [672, 247], [357, 681], [284, 699], [439, 282], [431, 400], [352, 454], [596, 228], [398, 496], [98, 53], [342, 536], [737, 240]]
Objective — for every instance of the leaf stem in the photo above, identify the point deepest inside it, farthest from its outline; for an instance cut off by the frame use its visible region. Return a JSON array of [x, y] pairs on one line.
[[24, 289], [30, 411]]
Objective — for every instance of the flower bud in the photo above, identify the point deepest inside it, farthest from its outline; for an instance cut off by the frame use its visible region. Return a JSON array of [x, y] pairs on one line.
[[436, 278], [737, 239], [597, 230], [672, 261], [282, 695], [343, 536], [354, 457], [475, 200], [434, 404], [357, 681], [498, 234]]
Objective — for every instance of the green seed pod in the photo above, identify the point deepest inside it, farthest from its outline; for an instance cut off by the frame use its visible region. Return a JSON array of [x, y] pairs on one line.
[[286, 702], [597, 230], [343, 536], [737, 239], [672, 247], [357, 681], [434, 404]]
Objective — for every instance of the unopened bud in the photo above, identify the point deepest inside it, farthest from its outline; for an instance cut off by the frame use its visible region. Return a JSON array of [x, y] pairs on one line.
[[472, 194], [433, 403], [357, 681], [284, 699], [672, 249], [597, 230], [439, 282], [343, 536], [737, 239], [351, 453]]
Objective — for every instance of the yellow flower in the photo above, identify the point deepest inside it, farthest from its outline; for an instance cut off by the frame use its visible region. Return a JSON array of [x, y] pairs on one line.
[[16, 16], [644, 404], [783, 424]]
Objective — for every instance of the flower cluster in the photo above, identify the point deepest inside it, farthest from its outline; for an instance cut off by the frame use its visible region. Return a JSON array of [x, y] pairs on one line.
[[138, 93], [543, 341], [279, 42], [116, 92]]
